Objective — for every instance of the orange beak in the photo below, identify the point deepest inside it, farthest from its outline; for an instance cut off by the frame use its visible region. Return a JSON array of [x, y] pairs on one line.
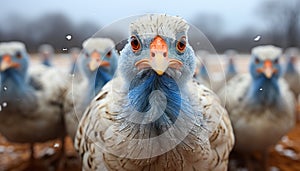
[[97, 62], [7, 63], [158, 59], [267, 69]]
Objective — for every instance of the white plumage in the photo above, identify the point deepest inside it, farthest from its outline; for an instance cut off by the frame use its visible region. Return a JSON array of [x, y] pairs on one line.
[[109, 137], [260, 106]]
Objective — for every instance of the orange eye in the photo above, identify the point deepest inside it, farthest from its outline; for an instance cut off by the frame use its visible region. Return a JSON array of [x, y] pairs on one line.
[[135, 44], [108, 54], [181, 44]]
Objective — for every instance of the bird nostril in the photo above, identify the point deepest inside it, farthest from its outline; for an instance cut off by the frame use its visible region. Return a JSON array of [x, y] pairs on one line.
[[152, 54], [165, 54]]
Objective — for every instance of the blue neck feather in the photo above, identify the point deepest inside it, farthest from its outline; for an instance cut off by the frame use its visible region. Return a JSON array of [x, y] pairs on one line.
[[139, 93], [231, 69], [15, 90], [203, 71], [264, 91], [290, 68], [96, 82], [47, 62]]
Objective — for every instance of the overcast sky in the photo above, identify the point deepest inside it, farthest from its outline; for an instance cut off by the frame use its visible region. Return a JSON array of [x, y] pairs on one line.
[[236, 14]]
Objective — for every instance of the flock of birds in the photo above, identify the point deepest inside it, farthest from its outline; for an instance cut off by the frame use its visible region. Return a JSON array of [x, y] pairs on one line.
[[148, 108]]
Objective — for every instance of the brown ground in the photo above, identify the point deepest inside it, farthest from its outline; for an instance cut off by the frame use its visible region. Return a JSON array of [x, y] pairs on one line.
[[284, 156]]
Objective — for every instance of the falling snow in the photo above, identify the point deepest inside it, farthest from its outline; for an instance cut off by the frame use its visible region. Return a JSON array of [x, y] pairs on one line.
[[69, 37], [4, 104], [4, 88], [56, 145], [257, 38]]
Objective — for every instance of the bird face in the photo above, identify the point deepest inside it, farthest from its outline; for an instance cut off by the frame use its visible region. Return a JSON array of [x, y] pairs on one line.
[[153, 49], [13, 57], [268, 67], [98, 52]]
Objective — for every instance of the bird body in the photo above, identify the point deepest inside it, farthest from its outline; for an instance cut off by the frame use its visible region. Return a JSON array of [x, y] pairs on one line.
[[230, 70], [291, 74], [153, 115], [46, 53], [97, 64], [31, 104], [260, 104]]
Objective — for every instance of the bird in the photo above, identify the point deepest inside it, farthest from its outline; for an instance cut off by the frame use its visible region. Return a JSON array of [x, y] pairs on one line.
[[46, 53], [154, 115], [201, 73], [74, 54], [259, 103], [31, 98], [291, 74], [97, 64], [230, 70]]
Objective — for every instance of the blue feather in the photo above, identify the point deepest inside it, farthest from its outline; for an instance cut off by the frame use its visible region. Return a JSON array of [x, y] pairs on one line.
[[144, 84], [47, 62], [102, 77], [290, 68], [264, 91], [231, 69], [203, 72]]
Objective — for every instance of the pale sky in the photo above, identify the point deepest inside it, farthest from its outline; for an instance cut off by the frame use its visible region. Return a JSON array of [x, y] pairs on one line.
[[237, 14]]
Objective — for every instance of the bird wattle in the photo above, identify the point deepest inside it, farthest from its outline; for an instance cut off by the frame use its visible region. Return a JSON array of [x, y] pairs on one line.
[[141, 97]]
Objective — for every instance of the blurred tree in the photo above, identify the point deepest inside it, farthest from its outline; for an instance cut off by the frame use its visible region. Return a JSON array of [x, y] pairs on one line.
[[50, 28], [283, 21]]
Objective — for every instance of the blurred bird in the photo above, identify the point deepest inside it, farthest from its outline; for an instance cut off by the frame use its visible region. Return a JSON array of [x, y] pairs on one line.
[[201, 66], [31, 101], [46, 53], [97, 63], [291, 74], [201, 73], [74, 54], [231, 70], [260, 104], [153, 116]]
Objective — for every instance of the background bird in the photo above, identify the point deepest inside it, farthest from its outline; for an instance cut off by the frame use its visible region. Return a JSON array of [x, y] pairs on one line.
[[74, 54], [201, 73], [97, 63], [291, 74], [31, 100], [260, 104], [153, 116], [231, 69], [46, 52]]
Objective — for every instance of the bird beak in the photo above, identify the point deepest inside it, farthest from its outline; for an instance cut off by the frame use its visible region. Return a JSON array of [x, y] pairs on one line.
[[267, 69], [158, 60], [97, 62], [7, 63]]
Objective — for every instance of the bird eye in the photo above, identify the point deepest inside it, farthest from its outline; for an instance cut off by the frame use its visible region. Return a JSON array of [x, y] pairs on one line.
[[135, 44], [108, 54], [86, 54], [19, 55], [257, 61], [276, 61], [181, 44]]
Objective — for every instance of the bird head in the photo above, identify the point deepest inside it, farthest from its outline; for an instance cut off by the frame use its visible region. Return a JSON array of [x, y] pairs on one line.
[[97, 53], [158, 43], [13, 58], [265, 62]]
